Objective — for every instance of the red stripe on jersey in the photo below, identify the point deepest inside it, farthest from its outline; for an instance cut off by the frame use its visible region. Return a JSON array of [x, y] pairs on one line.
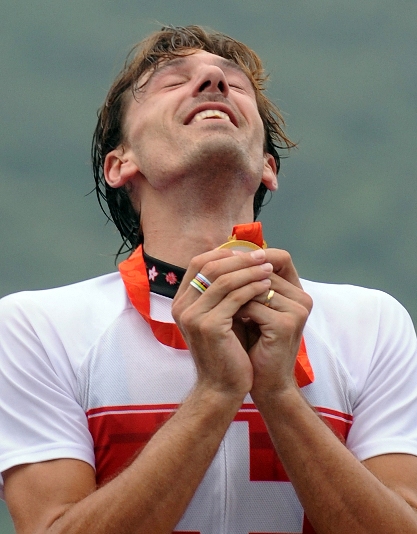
[[345, 416], [120, 432], [339, 422], [119, 435], [130, 408], [264, 462]]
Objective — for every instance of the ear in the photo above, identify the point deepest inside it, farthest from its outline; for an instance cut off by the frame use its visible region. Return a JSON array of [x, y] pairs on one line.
[[269, 176], [119, 168]]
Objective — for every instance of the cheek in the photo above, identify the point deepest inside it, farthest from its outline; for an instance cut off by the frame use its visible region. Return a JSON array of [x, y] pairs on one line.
[[143, 117], [258, 137], [258, 125], [146, 136]]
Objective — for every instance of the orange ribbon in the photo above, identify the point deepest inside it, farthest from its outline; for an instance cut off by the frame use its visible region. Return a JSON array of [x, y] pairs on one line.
[[249, 232], [135, 278]]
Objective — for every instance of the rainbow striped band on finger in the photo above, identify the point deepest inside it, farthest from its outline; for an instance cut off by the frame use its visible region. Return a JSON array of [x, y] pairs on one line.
[[200, 282]]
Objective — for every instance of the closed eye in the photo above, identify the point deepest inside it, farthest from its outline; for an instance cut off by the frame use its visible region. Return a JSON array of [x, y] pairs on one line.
[[237, 88], [174, 83], [239, 83]]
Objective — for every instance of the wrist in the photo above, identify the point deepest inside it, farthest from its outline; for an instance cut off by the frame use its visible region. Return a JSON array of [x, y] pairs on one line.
[[278, 401], [216, 400]]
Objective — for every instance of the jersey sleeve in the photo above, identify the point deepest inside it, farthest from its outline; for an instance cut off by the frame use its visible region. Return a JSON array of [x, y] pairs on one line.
[[385, 408], [40, 417]]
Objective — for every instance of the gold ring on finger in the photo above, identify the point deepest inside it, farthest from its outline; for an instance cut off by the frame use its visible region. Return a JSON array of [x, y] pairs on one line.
[[268, 299]]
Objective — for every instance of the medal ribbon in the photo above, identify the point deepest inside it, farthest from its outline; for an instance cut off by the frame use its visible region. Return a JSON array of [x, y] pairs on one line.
[[249, 232], [135, 278]]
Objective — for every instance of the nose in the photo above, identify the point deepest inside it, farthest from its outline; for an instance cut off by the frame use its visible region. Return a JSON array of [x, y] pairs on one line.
[[211, 79]]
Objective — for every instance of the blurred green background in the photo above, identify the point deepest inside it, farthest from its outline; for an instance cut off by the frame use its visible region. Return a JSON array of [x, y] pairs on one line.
[[344, 73]]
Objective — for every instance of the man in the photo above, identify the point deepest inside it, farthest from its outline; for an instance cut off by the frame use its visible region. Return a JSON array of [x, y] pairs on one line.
[[256, 413]]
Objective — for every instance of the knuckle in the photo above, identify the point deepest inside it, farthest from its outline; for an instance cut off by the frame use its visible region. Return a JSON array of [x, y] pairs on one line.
[[188, 318], [196, 264], [184, 318], [206, 326], [207, 261], [222, 283], [285, 256], [211, 270], [302, 313], [279, 255], [175, 312], [307, 301], [235, 298], [176, 309]]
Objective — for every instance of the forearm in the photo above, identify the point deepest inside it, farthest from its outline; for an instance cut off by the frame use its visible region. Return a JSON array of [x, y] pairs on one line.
[[337, 492], [151, 495]]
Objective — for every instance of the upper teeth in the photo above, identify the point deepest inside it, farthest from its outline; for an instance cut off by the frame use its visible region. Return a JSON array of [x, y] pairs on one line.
[[209, 114]]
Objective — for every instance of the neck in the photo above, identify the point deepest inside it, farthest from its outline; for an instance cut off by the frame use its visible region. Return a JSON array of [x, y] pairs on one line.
[[194, 212], [176, 239]]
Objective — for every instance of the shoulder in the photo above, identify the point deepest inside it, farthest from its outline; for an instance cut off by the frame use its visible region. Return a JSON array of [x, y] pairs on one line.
[[352, 304], [104, 292], [63, 321], [364, 328]]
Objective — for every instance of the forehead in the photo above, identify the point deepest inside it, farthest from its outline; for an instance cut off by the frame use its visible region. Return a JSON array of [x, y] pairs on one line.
[[202, 56]]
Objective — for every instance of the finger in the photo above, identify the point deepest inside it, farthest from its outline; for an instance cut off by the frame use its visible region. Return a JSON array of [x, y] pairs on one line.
[[224, 285], [198, 262], [283, 265], [228, 295], [202, 314], [215, 263], [287, 290], [285, 320]]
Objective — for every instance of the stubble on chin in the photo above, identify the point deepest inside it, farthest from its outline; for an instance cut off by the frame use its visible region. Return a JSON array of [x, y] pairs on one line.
[[216, 171], [219, 157]]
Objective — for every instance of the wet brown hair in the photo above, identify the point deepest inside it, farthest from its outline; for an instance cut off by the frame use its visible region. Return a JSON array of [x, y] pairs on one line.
[[146, 56]]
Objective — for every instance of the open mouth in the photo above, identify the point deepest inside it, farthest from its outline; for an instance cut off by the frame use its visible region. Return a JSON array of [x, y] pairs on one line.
[[210, 114], [211, 110]]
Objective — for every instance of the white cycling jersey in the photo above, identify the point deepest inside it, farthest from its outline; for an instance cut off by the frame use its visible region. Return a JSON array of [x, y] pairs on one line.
[[82, 376]]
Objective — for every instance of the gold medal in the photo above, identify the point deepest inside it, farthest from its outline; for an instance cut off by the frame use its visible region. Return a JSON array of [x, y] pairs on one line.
[[240, 245], [245, 238]]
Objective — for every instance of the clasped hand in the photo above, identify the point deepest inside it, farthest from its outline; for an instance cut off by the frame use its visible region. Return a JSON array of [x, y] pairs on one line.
[[239, 345]]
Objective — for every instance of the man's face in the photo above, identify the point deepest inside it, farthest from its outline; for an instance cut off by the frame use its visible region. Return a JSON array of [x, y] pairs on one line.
[[195, 114]]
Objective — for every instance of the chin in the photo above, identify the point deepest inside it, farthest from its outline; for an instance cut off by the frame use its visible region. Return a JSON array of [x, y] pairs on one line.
[[222, 154]]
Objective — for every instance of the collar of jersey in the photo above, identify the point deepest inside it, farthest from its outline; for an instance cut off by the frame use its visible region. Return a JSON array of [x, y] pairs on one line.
[[164, 278], [134, 275]]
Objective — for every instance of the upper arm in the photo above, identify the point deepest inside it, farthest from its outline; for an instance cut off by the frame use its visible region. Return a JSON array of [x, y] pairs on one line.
[[41, 415], [37, 494], [398, 472]]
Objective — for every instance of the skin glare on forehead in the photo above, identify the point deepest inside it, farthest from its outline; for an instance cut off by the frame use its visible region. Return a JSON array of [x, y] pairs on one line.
[[167, 65]]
